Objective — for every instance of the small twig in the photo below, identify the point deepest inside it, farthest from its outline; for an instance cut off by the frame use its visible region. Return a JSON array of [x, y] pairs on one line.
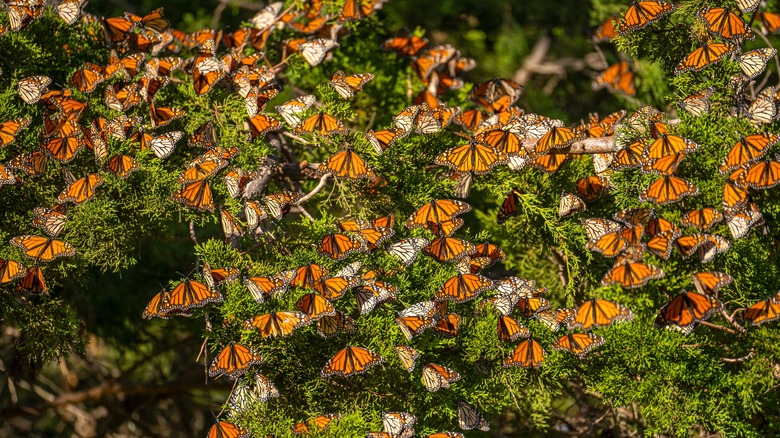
[[323, 180], [560, 260], [768, 43], [732, 322], [300, 140], [218, 13], [192, 232], [719, 327], [738, 359]]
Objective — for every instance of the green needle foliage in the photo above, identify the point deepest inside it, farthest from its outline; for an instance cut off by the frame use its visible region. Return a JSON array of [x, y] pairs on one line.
[[722, 377]]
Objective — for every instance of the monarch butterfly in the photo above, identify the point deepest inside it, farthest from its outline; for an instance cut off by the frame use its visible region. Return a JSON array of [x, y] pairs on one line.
[[315, 51], [224, 429], [747, 150], [763, 175], [50, 221], [373, 293], [315, 306], [30, 89], [703, 218], [331, 325], [769, 20], [706, 245], [685, 311], [407, 355], [470, 120], [550, 163], [70, 10], [590, 188], [426, 121], [703, 56], [334, 288], [609, 244], [216, 276], [248, 392], [338, 246], [267, 16], [233, 361], [6, 176], [726, 24], [661, 243], [436, 211], [496, 95], [709, 283], [570, 204], [346, 164], [63, 149], [527, 354], [449, 249], [448, 325], [9, 129], [436, 377], [350, 361], [754, 62], [190, 294], [406, 46], [374, 237], [122, 97], [668, 145], [472, 157], [10, 270], [348, 85], [599, 313], [631, 274], [127, 67], [556, 137], [697, 104], [414, 325], [446, 435], [291, 109], [153, 21], [631, 156], [509, 330], [606, 31], [33, 282], [741, 223], [463, 287], [578, 343], [407, 249], [735, 193], [307, 275], [510, 206], [81, 190], [164, 145], [383, 139], [195, 195], [763, 110], [278, 323], [87, 78], [262, 288], [207, 69], [322, 124], [161, 116], [642, 13], [491, 251], [320, 422], [597, 227], [155, 307], [763, 311], [359, 9], [617, 78], [200, 170], [554, 319], [205, 136], [398, 424], [469, 418], [530, 305], [668, 189]]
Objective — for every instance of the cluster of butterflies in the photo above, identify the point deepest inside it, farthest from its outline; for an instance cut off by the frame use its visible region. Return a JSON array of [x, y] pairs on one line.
[[317, 307], [725, 24]]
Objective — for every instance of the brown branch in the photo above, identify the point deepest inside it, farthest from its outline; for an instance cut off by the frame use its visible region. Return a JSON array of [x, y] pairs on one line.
[[737, 359], [719, 327], [323, 180], [731, 321], [268, 167]]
